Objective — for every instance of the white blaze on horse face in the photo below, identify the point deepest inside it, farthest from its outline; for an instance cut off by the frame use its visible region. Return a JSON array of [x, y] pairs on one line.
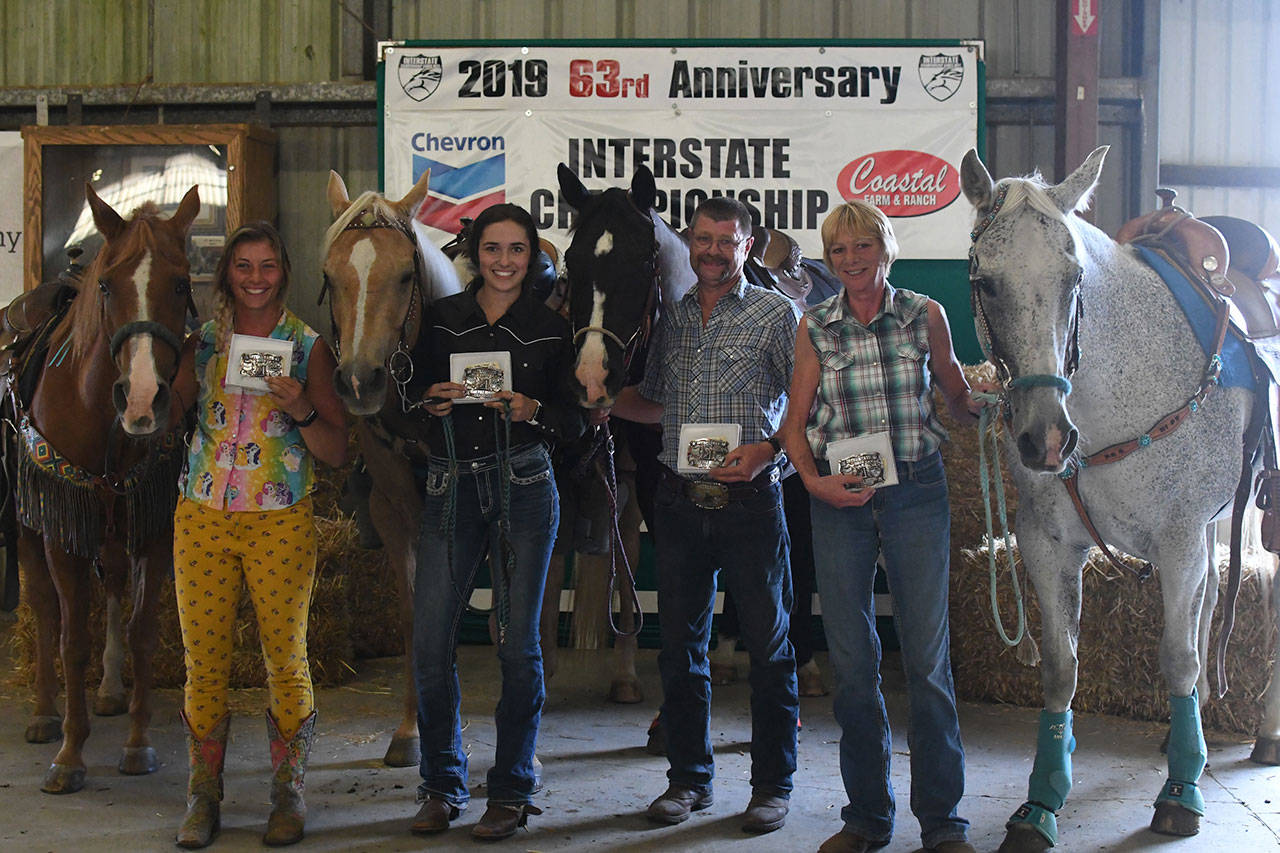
[[604, 245], [361, 258], [144, 375], [590, 369]]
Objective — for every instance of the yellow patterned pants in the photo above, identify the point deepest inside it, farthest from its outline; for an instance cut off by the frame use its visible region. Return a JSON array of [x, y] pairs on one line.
[[275, 555]]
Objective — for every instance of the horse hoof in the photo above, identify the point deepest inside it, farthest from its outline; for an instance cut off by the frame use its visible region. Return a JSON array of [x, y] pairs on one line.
[[1171, 819], [44, 729], [110, 706], [625, 691], [1266, 750], [403, 752], [1021, 838], [62, 779], [138, 761]]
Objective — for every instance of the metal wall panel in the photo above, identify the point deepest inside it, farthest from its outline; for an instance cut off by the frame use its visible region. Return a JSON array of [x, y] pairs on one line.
[[104, 42], [305, 156], [77, 42], [1218, 93]]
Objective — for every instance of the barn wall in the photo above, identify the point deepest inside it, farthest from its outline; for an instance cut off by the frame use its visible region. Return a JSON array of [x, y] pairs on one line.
[[1219, 93], [82, 43]]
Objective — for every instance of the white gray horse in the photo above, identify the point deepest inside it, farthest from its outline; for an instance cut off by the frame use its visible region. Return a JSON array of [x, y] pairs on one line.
[[1042, 278]]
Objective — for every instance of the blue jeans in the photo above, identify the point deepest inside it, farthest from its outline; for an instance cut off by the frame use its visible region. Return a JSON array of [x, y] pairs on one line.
[[439, 601], [910, 523], [747, 540]]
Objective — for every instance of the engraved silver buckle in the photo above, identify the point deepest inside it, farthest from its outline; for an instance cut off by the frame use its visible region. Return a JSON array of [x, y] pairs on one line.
[[482, 380], [868, 466], [261, 364]]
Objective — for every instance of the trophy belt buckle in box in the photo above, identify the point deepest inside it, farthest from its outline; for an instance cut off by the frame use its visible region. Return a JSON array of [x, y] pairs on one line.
[[261, 364], [707, 452], [482, 380], [868, 466]]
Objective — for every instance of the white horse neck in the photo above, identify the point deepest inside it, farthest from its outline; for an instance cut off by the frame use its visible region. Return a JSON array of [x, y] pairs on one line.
[[1139, 359], [442, 275], [674, 272]]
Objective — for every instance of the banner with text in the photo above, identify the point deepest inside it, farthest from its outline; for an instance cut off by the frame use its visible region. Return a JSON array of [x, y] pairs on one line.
[[10, 217], [791, 131]]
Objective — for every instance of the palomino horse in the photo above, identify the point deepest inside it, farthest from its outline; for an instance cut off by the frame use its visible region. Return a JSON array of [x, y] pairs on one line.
[[98, 466], [1049, 288], [381, 272]]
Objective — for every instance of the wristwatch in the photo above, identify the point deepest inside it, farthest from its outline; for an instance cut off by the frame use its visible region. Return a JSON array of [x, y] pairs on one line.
[[537, 410], [775, 444]]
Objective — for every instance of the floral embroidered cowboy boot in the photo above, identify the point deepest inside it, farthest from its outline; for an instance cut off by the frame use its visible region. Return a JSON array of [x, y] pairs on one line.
[[289, 764], [204, 784]]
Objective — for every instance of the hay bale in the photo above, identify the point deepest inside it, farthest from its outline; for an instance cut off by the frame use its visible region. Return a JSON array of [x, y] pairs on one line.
[[1121, 619]]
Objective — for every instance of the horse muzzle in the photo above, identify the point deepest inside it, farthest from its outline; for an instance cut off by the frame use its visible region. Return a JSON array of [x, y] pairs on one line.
[[362, 390], [141, 417]]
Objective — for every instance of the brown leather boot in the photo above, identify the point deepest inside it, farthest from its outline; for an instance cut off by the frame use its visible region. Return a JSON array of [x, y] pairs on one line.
[[289, 765], [204, 784]]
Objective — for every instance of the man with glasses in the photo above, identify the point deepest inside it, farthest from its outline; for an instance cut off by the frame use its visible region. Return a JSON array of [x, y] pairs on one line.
[[720, 362]]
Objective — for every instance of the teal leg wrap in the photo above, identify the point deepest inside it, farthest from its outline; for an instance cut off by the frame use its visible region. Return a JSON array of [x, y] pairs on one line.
[[1050, 777], [1187, 754]]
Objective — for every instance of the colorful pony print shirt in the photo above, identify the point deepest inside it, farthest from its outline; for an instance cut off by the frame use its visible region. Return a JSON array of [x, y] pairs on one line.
[[245, 454]]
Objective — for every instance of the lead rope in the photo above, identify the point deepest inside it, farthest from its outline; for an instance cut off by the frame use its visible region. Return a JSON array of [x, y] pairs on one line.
[[989, 422], [504, 564], [616, 547]]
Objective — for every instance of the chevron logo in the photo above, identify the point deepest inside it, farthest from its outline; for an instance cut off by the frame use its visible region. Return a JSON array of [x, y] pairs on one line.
[[460, 191]]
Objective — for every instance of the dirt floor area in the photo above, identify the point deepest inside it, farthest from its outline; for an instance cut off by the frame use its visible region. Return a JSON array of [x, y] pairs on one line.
[[598, 779]]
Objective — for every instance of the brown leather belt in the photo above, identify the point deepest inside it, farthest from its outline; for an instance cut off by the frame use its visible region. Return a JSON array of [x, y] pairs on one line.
[[709, 494]]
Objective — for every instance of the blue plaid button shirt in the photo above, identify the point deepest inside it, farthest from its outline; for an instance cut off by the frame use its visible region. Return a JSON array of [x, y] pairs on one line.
[[874, 378], [734, 371]]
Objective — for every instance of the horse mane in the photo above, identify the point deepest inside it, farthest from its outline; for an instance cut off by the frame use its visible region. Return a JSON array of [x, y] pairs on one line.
[[84, 317], [440, 271], [1032, 190], [367, 199]]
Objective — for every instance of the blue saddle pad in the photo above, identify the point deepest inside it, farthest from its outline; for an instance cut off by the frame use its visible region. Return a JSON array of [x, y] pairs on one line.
[[1237, 366]]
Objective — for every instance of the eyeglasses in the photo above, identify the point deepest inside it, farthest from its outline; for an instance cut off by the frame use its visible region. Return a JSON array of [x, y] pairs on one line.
[[724, 244]]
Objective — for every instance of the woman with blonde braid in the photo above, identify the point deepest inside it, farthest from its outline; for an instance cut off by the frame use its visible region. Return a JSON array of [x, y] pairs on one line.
[[244, 516]]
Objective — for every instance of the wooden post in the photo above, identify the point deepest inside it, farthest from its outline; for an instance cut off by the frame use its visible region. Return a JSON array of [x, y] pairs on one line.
[[1077, 83]]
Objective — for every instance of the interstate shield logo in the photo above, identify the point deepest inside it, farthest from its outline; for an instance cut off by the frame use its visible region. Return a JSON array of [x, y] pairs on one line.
[[941, 75], [420, 75]]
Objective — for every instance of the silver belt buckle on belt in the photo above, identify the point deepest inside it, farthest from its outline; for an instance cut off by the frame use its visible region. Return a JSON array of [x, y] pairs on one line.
[[707, 495]]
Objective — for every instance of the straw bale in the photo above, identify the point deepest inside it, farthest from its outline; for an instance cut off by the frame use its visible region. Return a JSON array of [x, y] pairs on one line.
[[1121, 619]]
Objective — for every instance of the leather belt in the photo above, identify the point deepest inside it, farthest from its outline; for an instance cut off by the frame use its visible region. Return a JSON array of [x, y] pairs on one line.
[[710, 494]]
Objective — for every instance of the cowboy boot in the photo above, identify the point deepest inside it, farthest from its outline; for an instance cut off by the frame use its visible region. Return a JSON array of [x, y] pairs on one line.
[[288, 764], [204, 784]]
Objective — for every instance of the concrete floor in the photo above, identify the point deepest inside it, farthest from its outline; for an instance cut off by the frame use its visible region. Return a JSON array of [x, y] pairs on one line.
[[598, 779]]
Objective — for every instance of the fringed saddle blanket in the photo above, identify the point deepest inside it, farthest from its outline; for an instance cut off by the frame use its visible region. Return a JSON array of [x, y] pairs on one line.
[[80, 510]]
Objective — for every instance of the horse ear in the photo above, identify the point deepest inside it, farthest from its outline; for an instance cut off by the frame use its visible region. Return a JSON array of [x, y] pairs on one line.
[[643, 190], [976, 181], [339, 201], [408, 206], [1075, 193], [187, 210], [109, 223], [573, 190]]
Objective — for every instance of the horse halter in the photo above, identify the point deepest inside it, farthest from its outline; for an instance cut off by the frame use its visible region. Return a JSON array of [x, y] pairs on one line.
[[640, 337], [986, 336], [400, 362]]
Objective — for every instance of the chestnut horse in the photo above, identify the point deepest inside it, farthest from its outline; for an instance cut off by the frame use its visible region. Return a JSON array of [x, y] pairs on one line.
[[381, 272], [97, 470]]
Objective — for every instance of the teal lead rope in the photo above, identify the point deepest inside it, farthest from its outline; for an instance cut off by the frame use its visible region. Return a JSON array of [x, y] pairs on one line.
[[504, 565], [989, 421]]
